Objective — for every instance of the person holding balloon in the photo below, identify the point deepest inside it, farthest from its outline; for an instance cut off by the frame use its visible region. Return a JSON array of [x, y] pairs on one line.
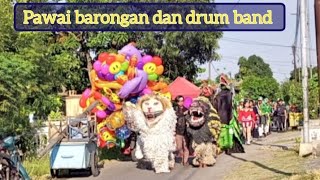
[[181, 138]]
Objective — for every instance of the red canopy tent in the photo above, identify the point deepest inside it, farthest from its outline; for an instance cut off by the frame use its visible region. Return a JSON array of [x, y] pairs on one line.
[[181, 86]]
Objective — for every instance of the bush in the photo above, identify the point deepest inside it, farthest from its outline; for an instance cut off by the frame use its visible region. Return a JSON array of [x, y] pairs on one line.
[[37, 168]]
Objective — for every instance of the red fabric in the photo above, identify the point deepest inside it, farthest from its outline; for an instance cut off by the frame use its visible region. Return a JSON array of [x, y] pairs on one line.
[[181, 86], [243, 115]]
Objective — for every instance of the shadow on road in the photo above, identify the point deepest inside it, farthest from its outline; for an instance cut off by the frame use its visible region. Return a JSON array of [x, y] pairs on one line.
[[264, 166], [81, 173], [274, 145]]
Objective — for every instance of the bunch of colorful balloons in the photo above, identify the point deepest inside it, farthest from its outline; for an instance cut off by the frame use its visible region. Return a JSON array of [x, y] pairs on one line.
[[116, 78]]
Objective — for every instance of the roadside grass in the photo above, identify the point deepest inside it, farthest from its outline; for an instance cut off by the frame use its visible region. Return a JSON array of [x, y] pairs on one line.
[[38, 168], [310, 175], [273, 164]]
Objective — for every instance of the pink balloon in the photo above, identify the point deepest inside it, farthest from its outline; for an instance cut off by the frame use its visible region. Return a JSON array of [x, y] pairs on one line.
[[187, 102], [97, 66], [86, 93], [104, 69], [147, 91], [105, 101], [140, 65], [146, 59], [101, 114], [108, 103]]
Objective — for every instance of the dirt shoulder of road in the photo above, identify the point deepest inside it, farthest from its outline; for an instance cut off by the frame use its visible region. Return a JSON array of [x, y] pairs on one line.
[[275, 157]]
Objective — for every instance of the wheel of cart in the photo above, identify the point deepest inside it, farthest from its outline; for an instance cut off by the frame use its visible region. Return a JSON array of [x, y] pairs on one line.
[[94, 159], [78, 150]]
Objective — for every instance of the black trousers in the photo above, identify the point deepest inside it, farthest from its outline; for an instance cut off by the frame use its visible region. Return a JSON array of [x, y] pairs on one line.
[[281, 125]]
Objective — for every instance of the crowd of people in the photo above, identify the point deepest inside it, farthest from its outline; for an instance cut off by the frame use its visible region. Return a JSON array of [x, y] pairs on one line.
[[255, 118]]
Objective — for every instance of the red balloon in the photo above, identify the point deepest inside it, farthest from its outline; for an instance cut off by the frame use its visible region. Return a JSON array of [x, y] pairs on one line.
[[99, 120], [101, 143], [83, 102], [103, 56], [157, 60], [110, 59], [94, 110], [97, 95]]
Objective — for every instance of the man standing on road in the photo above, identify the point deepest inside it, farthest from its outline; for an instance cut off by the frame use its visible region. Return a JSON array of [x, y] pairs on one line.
[[282, 115]]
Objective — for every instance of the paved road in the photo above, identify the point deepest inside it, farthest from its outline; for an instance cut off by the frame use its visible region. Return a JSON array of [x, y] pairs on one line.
[[124, 170], [128, 170]]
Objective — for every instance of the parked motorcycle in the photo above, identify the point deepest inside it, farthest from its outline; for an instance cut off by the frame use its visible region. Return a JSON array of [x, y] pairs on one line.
[[11, 167]]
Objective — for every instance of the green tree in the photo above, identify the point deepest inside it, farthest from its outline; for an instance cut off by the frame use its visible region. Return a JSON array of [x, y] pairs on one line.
[[254, 87], [253, 66], [299, 71], [292, 90], [182, 52]]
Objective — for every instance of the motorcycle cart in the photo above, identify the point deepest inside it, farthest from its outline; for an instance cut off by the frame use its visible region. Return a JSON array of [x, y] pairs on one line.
[[78, 150]]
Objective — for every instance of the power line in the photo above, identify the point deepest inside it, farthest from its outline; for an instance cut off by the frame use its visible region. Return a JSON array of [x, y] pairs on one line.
[[273, 71], [266, 61], [235, 63], [242, 41], [215, 69]]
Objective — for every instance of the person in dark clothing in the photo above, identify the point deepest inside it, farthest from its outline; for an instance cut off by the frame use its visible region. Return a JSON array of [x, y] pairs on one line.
[[275, 117], [223, 104], [255, 131], [282, 116], [181, 138]]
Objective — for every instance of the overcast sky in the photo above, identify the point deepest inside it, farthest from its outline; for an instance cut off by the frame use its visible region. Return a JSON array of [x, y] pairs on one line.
[[279, 58]]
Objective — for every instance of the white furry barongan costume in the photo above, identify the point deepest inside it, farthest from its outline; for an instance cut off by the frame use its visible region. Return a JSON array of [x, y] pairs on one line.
[[155, 121]]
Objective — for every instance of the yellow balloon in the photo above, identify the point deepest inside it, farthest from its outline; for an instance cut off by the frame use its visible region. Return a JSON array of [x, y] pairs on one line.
[[107, 136], [115, 67], [116, 120], [165, 95], [88, 102], [101, 107], [150, 68]]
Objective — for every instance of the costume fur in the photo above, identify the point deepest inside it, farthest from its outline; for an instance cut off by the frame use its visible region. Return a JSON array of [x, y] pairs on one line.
[[203, 130], [155, 121]]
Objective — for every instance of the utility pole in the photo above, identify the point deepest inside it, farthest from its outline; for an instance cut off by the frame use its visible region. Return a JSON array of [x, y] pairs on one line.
[[299, 70], [210, 69], [294, 62], [317, 19], [309, 42], [304, 56]]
